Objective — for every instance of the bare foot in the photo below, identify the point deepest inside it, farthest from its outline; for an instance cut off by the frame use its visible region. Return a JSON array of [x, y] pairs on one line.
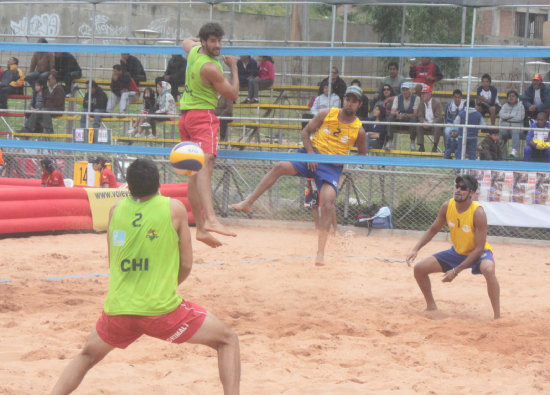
[[217, 227], [208, 239], [431, 307], [242, 206], [320, 260]]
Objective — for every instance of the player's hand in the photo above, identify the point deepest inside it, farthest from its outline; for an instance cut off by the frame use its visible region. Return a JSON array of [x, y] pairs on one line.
[[449, 276], [312, 166], [411, 257], [229, 60]]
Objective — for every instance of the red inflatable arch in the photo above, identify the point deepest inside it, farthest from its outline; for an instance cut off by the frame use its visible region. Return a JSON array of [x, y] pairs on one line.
[[26, 207]]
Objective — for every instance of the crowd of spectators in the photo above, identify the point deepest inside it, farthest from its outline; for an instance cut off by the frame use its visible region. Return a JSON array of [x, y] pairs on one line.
[[406, 102]]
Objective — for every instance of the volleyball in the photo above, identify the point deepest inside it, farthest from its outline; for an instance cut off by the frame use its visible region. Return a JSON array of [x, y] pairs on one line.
[[186, 158]]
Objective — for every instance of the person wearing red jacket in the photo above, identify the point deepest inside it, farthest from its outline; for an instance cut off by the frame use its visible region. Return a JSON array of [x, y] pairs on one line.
[[51, 177], [107, 179], [426, 72]]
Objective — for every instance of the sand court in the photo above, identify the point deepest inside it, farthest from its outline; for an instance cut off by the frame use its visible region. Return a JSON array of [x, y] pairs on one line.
[[354, 326]]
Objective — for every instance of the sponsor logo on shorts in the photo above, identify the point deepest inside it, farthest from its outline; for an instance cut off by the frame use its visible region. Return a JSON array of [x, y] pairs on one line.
[[335, 183], [181, 330], [119, 238]]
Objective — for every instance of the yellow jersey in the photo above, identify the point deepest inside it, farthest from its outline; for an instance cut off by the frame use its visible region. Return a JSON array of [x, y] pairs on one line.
[[461, 226], [335, 137]]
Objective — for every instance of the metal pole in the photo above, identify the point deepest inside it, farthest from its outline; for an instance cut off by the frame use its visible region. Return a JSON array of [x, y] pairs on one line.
[[330, 59], [178, 30], [525, 31], [464, 129], [91, 69], [344, 35], [402, 41], [211, 11], [462, 39]]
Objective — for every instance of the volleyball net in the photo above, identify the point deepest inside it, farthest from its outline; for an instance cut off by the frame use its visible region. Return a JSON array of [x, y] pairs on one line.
[[413, 185]]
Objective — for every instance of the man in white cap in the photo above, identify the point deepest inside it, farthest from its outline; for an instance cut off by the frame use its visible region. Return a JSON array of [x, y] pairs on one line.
[[404, 109], [333, 131]]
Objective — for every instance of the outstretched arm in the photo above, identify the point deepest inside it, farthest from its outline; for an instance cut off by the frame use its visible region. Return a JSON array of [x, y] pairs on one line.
[[430, 233], [190, 43]]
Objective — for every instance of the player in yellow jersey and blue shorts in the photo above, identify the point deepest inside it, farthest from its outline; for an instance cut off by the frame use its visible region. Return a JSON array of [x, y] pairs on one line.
[[468, 227], [335, 131], [150, 254]]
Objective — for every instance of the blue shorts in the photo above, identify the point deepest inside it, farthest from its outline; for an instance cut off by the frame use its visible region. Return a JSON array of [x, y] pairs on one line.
[[325, 172], [450, 259]]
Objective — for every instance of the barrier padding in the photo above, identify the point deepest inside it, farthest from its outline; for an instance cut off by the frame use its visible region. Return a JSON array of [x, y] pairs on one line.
[[26, 207]]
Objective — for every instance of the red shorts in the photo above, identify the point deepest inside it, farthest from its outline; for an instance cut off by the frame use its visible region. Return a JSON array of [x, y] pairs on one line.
[[201, 127], [175, 327]]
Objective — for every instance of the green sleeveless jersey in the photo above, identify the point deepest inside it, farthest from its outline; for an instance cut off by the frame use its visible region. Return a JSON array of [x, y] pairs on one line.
[[197, 95], [144, 259]]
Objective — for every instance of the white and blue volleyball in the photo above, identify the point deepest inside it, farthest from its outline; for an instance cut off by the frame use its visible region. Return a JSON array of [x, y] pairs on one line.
[[187, 158]]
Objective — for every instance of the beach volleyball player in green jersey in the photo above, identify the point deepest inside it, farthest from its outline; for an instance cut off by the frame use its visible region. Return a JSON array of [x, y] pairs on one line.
[[204, 82], [150, 254]]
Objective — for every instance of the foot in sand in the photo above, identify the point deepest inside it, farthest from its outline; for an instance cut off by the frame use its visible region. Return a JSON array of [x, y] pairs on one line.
[[320, 260], [242, 206], [431, 307], [208, 239], [217, 227]]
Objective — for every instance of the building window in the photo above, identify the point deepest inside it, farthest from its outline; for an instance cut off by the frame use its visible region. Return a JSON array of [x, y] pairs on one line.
[[534, 28]]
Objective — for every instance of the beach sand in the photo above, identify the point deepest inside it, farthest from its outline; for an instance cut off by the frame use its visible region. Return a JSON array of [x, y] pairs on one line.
[[354, 326]]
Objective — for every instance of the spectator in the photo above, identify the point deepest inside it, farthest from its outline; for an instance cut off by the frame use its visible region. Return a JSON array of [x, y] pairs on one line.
[[248, 69], [224, 109], [133, 66], [394, 80], [2, 163], [323, 101], [376, 133], [474, 118], [149, 106], [34, 121], [386, 100], [489, 149], [98, 105], [338, 85], [487, 98], [264, 79], [41, 64], [175, 73], [537, 144], [452, 145], [166, 104], [363, 112], [11, 82], [106, 178], [452, 109], [430, 111], [124, 90], [536, 98], [54, 100], [426, 72], [405, 109], [512, 114], [51, 177], [67, 69]]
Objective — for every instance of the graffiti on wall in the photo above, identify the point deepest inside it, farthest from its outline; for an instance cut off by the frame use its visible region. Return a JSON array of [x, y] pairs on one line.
[[102, 28], [46, 25], [162, 26]]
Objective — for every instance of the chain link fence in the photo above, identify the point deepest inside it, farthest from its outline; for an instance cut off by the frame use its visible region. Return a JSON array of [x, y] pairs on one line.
[[413, 195]]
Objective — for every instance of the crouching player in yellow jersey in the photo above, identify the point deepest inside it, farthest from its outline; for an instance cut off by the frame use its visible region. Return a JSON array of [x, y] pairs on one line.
[[150, 254], [468, 227], [334, 132]]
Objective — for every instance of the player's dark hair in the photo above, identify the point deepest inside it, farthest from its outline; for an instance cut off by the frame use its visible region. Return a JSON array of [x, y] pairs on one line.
[[210, 29], [47, 164], [143, 178]]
